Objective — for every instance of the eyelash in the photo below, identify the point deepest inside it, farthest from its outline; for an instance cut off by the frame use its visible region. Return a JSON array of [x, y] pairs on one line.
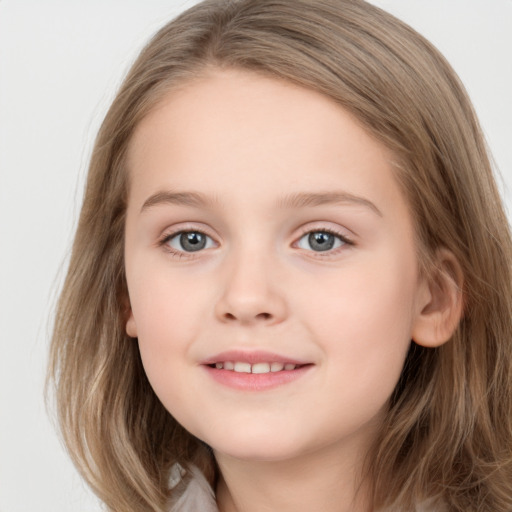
[[190, 255]]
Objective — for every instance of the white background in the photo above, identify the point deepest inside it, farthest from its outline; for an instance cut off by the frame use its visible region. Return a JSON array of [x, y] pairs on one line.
[[60, 64]]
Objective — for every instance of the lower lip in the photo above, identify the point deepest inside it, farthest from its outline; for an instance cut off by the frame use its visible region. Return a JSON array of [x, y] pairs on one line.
[[256, 381]]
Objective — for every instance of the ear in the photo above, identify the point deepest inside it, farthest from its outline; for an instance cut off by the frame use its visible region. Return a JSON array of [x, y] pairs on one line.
[[440, 304], [130, 325]]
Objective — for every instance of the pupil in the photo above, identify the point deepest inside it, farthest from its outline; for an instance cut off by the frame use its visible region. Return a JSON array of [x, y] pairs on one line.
[[192, 241], [321, 241]]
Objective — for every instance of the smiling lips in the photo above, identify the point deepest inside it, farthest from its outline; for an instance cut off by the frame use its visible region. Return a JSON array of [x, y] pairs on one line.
[[254, 371], [242, 367]]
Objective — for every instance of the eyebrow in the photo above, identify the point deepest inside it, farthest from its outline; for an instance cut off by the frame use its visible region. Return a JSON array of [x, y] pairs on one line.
[[310, 199], [181, 199], [290, 201]]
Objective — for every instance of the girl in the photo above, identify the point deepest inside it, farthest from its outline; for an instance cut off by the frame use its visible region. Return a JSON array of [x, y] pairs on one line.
[[290, 284]]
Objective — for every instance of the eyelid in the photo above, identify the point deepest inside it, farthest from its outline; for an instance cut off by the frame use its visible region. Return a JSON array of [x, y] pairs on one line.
[[347, 238], [186, 227]]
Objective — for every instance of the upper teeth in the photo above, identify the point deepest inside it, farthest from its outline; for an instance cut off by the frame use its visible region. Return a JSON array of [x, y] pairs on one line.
[[254, 368]]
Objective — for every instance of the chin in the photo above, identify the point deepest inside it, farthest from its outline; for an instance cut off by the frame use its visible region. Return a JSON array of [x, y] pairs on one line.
[[256, 454], [257, 447]]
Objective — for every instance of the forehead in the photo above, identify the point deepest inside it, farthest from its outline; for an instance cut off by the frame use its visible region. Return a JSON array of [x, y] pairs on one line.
[[239, 135]]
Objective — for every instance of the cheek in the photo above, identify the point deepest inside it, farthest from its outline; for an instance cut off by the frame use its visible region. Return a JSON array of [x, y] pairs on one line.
[[167, 313], [164, 301], [362, 327], [363, 319]]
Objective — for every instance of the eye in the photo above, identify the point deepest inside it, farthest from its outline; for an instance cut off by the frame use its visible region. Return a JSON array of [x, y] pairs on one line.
[[187, 241], [322, 240]]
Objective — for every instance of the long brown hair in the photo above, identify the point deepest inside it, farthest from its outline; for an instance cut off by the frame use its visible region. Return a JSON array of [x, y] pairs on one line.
[[448, 431]]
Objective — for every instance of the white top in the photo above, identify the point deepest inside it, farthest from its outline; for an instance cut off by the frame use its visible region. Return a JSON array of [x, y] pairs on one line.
[[198, 496]]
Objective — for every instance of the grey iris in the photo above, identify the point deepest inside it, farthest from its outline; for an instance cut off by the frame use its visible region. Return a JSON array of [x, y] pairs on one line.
[[321, 241], [192, 241]]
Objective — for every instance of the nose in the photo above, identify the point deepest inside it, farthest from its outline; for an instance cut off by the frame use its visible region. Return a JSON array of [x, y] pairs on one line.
[[251, 291]]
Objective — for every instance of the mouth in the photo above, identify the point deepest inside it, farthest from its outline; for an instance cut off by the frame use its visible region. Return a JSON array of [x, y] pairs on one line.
[[254, 371], [259, 368]]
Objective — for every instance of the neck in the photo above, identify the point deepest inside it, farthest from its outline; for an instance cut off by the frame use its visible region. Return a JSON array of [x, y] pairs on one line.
[[320, 481]]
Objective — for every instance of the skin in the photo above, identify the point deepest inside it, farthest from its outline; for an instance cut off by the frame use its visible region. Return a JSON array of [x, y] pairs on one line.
[[259, 284]]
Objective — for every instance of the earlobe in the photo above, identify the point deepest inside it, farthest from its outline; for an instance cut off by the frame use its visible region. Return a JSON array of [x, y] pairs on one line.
[[441, 307], [131, 327]]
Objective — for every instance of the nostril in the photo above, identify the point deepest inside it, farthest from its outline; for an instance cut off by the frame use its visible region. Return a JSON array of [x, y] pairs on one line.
[[265, 316]]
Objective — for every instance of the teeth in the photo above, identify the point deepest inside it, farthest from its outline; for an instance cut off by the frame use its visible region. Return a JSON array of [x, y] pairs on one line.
[[241, 367], [260, 368], [276, 367]]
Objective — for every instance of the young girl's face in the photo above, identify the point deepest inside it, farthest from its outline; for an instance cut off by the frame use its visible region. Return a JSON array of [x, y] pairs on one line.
[[266, 228]]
